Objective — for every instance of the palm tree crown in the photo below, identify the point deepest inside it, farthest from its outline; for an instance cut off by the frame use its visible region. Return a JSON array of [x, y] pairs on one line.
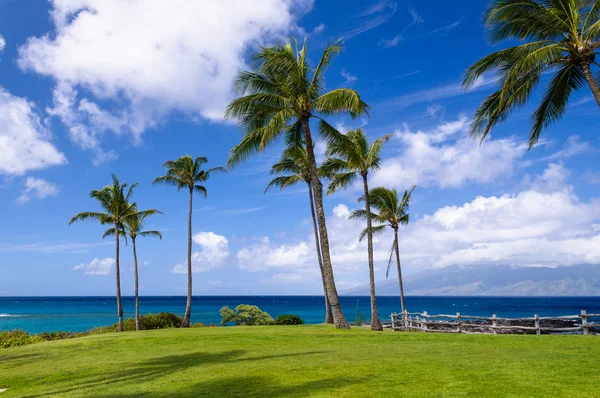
[[351, 156], [187, 172], [388, 210], [281, 93], [294, 165], [114, 200], [563, 38], [134, 225]]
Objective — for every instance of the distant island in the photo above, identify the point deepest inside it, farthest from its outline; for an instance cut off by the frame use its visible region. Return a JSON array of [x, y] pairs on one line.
[[487, 280]]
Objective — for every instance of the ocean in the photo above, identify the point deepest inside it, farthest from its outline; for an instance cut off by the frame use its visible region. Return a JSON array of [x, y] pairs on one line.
[[37, 314]]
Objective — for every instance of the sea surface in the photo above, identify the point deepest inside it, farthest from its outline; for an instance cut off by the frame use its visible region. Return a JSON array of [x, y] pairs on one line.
[[37, 314]]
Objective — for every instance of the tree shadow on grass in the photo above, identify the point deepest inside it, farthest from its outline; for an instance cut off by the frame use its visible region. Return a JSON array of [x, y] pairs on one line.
[[250, 387], [148, 370]]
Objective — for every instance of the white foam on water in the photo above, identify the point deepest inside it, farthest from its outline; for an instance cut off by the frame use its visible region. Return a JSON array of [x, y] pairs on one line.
[[6, 316]]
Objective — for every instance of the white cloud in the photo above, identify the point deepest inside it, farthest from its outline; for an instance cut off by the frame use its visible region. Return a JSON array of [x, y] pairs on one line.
[[440, 92], [372, 17], [214, 251], [37, 188], [545, 224], [264, 255], [350, 79], [96, 267], [439, 158], [24, 141], [143, 59], [2, 43], [416, 19]]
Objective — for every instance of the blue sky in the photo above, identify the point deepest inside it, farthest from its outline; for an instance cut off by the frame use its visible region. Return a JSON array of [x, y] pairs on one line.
[[93, 87]]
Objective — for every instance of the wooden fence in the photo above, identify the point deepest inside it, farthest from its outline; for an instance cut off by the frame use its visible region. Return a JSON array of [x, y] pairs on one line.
[[469, 324]]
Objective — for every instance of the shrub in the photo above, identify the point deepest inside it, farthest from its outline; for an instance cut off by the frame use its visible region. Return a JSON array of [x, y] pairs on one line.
[[17, 338], [359, 317], [245, 314], [289, 319], [162, 320]]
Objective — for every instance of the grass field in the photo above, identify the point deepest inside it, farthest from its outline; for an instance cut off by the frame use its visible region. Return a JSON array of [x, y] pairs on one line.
[[300, 361]]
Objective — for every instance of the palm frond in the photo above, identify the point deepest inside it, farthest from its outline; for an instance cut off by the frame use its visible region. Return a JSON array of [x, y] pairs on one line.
[[156, 234], [341, 180], [341, 100], [568, 79]]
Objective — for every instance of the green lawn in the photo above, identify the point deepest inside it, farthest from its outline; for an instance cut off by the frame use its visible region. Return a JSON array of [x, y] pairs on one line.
[[300, 361]]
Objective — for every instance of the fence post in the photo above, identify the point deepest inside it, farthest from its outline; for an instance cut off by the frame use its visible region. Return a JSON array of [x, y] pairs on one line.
[[584, 322], [424, 324], [458, 321], [494, 324], [405, 319], [537, 325]]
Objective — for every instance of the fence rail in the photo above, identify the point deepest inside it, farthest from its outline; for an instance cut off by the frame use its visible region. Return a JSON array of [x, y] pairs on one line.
[[470, 324]]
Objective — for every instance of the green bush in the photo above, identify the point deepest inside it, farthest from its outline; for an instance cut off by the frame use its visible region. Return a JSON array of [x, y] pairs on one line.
[[162, 320], [17, 338], [359, 317], [289, 319], [245, 314]]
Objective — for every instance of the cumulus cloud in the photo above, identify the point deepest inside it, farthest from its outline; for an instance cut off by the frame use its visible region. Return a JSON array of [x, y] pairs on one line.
[[543, 224], [96, 266], [214, 251], [264, 255], [37, 188], [2, 43], [24, 141], [143, 59], [447, 158]]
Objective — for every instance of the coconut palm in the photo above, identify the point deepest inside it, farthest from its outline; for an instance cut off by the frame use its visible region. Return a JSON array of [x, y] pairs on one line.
[[114, 200], [133, 225], [562, 39], [348, 158], [294, 161], [390, 211], [187, 173], [281, 95]]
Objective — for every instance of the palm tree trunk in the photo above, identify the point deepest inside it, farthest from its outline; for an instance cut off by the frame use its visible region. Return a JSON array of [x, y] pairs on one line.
[[328, 315], [338, 316], [135, 276], [375, 321], [399, 269], [118, 272], [188, 306], [589, 77]]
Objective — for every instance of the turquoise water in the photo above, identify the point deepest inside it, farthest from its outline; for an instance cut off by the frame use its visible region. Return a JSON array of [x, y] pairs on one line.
[[37, 314]]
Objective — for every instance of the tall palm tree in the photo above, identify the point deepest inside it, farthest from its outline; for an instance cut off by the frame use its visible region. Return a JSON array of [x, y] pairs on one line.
[[187, 172], [133, 225], [114, 200], [392, 212], [562, 38], [281, 95], [294, 161], [350, 157]]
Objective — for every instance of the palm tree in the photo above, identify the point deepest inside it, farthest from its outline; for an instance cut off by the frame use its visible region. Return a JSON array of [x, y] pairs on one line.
[[355, 157], [563, 38], [115, 203], [280, 96], [134, 226], [186, 172], [294, 160], [392, 212]]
